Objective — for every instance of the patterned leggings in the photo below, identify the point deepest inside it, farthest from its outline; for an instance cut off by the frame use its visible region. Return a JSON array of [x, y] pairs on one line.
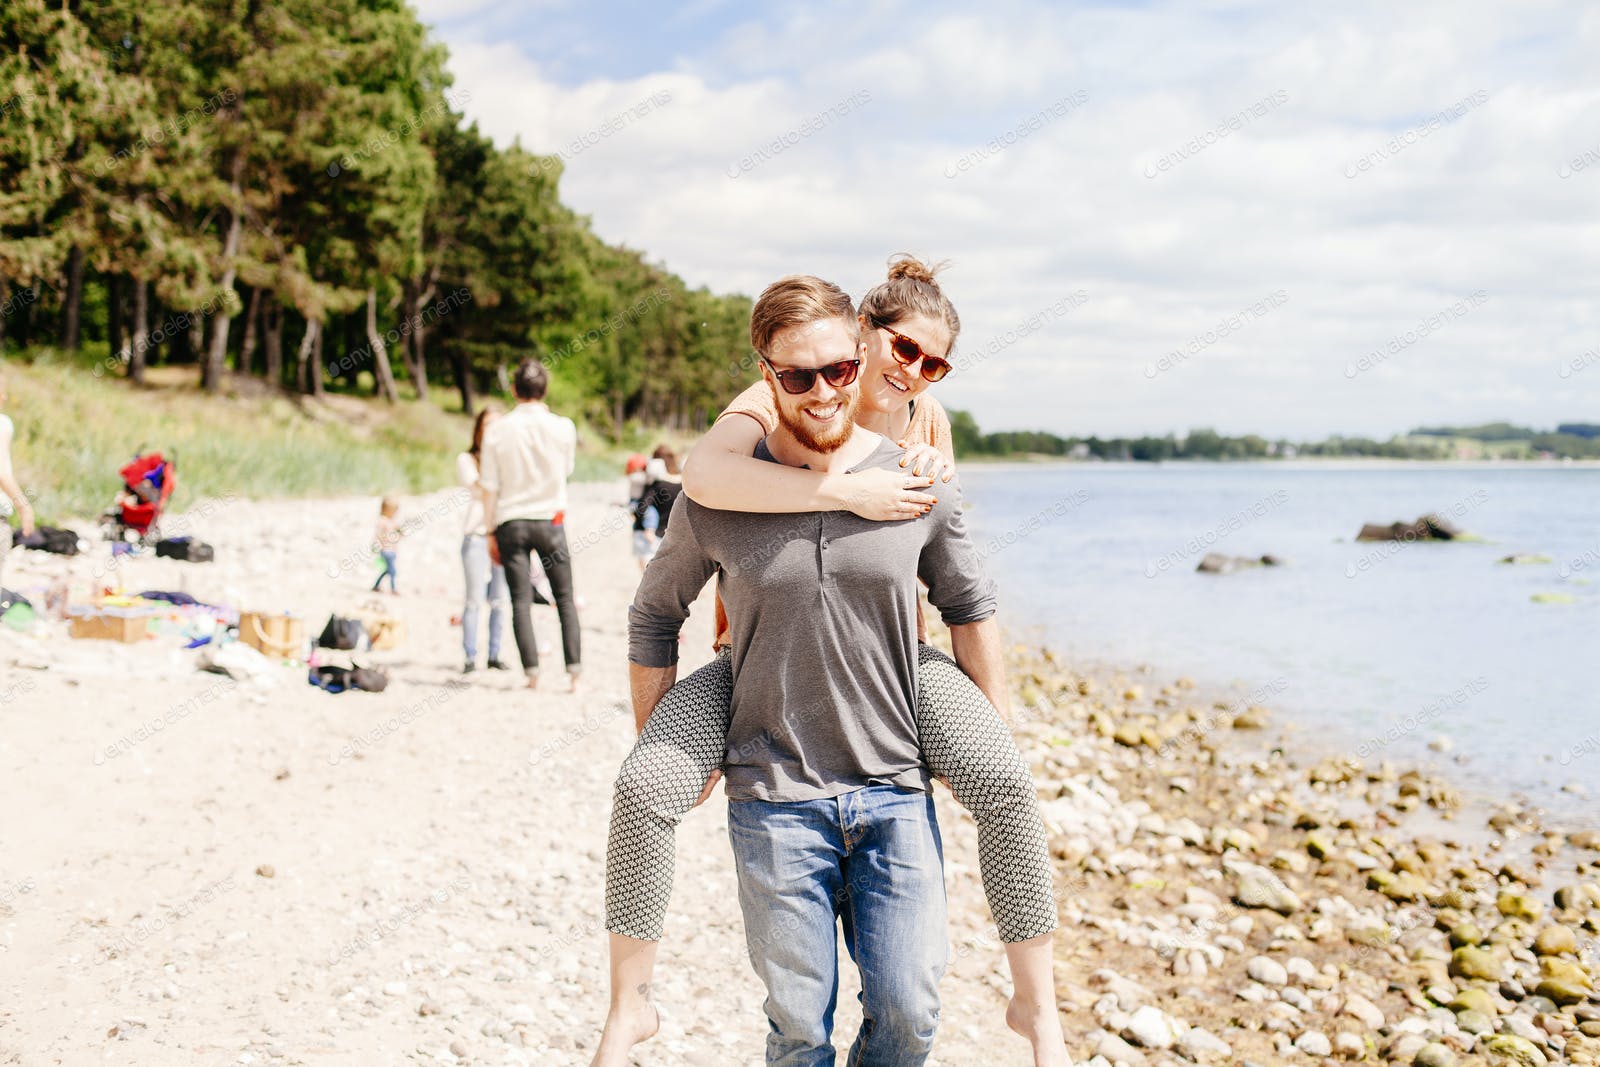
[[964, 741]]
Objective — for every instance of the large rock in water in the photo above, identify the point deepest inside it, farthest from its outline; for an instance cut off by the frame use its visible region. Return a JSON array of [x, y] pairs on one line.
[[1217, 563], [1428, 528]]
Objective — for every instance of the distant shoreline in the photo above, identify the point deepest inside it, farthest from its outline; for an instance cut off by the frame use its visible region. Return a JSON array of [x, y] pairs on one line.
[[1326, 462]]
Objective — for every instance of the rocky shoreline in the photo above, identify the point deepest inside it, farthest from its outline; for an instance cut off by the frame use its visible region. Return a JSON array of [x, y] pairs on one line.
[[1225, 902]]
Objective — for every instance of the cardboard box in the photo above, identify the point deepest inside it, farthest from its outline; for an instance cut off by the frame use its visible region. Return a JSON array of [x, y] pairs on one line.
[[277, 636], [110, 624]]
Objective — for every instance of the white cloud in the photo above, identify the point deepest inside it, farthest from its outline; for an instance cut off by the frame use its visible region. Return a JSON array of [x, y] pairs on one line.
[[1475, 203]]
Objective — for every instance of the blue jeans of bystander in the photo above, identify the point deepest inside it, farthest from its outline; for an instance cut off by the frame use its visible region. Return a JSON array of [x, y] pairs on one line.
[[483, 579]]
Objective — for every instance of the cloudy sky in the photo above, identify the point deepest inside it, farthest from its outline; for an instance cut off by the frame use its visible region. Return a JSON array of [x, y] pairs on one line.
[[1288, 219]]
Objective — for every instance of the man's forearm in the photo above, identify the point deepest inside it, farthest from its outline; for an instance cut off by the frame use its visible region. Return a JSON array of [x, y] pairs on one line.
[[649, 685], [489, 501], [979, 655]]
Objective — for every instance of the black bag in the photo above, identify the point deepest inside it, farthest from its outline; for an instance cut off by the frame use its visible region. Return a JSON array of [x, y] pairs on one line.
[[53, 540], [10, 597], [370, 679], [185, 548], [338, 679], [342, 634]]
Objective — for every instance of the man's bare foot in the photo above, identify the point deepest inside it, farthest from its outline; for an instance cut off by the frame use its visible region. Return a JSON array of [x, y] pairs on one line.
[[625, 1028], [533, 681], [574, 677], [1041, 1025]]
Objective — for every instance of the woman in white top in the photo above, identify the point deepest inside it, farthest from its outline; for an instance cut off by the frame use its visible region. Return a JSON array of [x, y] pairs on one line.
[[483, 577]]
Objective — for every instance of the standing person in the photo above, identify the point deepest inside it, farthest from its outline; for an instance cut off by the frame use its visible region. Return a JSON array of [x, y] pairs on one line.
[[643, 544], [483, 576], [908, 330], [653, 508], [8, 481], [829, 812], [528, 454], [666, 483], [634, 467], [387, 540]]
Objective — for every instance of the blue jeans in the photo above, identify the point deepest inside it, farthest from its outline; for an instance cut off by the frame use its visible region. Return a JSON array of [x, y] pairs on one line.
[[388, 570], [872, 861], [483, 578]]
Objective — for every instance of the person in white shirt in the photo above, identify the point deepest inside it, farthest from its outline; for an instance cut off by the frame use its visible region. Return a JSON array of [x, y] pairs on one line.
[[8, 483], [528, 454], [484, 578]]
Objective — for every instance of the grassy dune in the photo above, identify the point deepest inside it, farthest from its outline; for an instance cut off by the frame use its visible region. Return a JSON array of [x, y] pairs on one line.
[[75, 428]]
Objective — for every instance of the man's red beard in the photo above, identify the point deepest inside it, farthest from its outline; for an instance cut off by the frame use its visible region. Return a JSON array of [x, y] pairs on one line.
[[805, 431]]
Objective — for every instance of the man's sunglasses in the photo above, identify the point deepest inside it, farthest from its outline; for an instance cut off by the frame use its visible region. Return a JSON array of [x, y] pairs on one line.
[[797, 382], [906, 352]]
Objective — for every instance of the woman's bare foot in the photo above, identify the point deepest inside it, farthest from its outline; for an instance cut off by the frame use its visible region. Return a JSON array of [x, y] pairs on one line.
[[625, 1028], [1041, 1025]]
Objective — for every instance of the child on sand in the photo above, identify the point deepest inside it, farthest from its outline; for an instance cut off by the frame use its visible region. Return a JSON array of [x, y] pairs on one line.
[[387, 541]]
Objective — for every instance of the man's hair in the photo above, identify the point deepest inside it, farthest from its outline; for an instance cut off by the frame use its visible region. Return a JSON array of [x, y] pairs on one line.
[[531, 380], [795, 301]]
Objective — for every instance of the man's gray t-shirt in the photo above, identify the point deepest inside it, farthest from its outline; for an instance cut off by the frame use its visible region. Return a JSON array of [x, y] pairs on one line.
[[822, 609]]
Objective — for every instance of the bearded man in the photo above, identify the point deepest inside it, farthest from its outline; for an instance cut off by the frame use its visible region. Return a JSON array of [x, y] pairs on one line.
[[830, 816]]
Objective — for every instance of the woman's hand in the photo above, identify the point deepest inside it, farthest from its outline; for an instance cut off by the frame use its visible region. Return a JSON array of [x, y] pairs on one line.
[[922, 458], [887, 495]]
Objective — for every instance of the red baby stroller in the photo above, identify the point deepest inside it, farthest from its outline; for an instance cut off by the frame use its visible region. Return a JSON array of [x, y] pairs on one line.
[[148, 483]]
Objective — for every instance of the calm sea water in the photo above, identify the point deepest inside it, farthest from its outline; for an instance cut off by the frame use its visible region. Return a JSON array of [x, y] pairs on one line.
[[1373, 648]]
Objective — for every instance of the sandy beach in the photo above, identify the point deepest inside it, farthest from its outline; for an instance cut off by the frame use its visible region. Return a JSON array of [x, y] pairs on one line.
[[205, 871], [198, 870]]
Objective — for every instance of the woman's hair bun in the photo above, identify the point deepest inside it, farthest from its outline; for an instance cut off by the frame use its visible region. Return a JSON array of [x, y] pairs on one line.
[[908, 266], [910, 290]]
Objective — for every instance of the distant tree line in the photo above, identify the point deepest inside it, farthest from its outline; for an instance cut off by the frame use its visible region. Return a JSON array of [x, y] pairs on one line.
[[1574, 440], [289, 190], [1571, 440], [1197, 444]]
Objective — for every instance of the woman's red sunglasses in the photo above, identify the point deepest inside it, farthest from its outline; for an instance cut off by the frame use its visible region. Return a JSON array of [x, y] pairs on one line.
[[798, 382], [906, 352]]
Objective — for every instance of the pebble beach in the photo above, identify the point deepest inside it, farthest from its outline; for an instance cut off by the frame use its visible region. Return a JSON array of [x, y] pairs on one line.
[[201, 869]]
